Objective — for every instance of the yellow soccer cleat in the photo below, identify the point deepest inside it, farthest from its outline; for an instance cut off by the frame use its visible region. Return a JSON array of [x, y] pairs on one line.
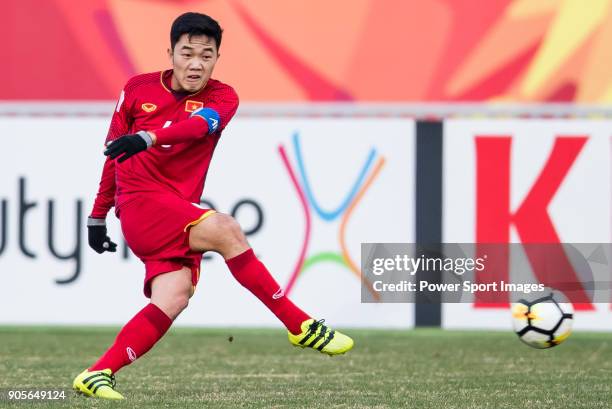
[[98, 384], [318, 336]]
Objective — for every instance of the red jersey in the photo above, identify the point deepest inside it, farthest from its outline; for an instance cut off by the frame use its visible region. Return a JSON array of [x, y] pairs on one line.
[[147, 103]]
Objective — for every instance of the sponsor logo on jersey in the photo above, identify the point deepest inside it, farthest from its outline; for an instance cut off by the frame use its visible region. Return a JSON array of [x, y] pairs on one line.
[[191, 106], [148, 107]]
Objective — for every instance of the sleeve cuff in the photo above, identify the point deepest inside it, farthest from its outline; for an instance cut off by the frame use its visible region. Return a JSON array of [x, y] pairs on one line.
[[91, 222], [147, 138]]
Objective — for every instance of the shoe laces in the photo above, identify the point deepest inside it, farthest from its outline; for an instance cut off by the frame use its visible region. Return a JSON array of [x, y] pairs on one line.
[[312, 328], [111, 378], [315, 324]]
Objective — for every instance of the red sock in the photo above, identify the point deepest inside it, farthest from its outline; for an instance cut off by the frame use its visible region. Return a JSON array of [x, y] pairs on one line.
[[135, 338], [252, 274]]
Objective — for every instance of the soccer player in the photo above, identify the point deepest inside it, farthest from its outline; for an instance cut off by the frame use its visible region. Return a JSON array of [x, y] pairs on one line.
[[159, 146]]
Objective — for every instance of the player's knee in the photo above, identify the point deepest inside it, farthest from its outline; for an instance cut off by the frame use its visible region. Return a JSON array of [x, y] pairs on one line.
[[220, 233], [182, 296], [228, 228], [176, 304], [234, 231], [181, 301], [171, 295]]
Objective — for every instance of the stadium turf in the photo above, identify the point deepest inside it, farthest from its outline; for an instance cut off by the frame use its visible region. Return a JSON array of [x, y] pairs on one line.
[[201, 368]]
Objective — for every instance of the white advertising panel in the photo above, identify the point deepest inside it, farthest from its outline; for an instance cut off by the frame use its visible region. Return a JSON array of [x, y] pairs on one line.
[[307, 190], [526, 181]]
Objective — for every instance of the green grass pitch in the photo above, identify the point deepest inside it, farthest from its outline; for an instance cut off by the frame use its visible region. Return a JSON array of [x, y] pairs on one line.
[[201, 368]]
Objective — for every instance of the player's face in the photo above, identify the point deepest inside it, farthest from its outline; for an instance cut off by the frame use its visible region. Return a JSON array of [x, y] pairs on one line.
[[193, 61]]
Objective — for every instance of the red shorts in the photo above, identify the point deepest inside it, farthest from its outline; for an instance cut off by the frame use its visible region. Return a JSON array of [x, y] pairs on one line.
[[156, 227]]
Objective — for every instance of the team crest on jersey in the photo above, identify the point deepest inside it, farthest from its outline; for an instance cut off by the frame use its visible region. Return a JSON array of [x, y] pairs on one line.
[[148, 107], [191, 106]]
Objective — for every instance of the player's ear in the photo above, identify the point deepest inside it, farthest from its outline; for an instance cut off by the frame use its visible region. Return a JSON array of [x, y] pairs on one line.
[[170, 54]]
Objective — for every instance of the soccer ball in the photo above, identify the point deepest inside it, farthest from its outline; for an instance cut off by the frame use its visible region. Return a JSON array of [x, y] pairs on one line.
[[542, 323]]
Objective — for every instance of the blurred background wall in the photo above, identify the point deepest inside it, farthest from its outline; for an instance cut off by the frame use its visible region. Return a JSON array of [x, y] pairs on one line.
[[360, 121], [301, 51]]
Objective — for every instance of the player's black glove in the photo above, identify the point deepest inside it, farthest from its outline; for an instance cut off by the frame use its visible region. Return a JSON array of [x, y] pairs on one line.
[[128, 145], [98, 236]]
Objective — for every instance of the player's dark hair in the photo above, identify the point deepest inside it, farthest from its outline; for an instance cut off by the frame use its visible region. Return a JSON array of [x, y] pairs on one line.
[[194, 24]]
